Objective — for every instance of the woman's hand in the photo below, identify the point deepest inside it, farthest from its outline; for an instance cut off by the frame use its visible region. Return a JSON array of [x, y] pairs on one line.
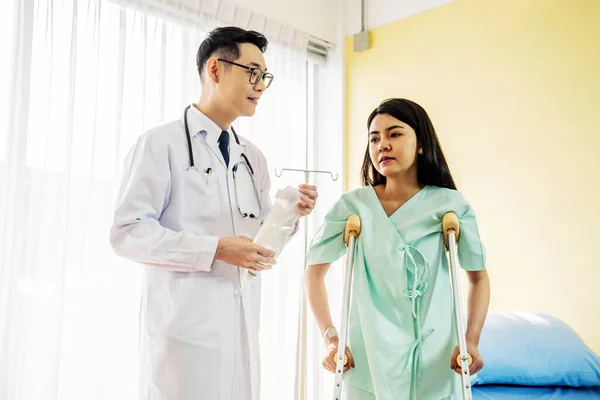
[[329, 362], [476, 364]]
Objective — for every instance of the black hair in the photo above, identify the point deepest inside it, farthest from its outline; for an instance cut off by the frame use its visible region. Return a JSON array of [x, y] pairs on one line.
[[432, 168], [225, 43]]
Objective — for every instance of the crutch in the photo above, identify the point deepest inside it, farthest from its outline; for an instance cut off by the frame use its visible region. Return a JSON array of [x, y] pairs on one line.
[[353, 228], [451, 231]]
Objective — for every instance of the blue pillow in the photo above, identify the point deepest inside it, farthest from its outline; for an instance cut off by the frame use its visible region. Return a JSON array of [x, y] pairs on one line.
[[532, 349]]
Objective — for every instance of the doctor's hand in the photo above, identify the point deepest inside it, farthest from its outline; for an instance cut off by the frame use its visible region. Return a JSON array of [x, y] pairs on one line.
[[473, 351], [308, 199], [242, 252], [329, 362]]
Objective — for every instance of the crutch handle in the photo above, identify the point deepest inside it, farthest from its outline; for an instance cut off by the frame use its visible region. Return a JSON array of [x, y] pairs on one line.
[[458, 360], [335, 358], [353, 228], [450, 224]]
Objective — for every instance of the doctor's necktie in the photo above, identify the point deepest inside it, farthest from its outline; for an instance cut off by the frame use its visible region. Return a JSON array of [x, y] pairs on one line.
[[224, 146]]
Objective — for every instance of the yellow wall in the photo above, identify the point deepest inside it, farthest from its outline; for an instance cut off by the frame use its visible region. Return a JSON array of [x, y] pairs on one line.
[[513, 89]]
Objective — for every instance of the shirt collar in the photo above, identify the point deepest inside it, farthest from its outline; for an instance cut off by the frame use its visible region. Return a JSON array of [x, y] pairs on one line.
[[198, 122]]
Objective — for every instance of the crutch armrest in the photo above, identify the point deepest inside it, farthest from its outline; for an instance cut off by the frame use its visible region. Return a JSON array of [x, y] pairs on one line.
[[353, 228], [450, 224]]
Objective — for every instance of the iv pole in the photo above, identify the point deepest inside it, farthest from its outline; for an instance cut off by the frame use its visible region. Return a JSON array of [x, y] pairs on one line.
[[300, 381]]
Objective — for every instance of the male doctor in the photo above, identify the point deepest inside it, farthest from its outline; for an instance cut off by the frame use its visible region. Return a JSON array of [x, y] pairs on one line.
[[192, 196]]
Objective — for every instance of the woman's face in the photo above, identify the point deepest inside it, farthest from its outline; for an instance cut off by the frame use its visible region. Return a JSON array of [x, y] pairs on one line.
[[393, 146]]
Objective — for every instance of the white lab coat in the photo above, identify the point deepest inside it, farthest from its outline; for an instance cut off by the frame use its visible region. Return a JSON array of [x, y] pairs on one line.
[[200, 333]]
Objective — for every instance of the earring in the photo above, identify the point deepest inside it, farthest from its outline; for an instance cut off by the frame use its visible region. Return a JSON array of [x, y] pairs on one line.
[[420, 151]]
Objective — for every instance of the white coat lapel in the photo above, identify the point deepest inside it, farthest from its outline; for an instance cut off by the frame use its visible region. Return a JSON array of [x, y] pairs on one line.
[[214, 146]]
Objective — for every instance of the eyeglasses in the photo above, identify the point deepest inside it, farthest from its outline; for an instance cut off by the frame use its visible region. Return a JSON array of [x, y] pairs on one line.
[[256, 74]]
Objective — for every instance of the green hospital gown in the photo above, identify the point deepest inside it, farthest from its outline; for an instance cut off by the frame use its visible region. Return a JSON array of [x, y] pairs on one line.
[[401, 325]]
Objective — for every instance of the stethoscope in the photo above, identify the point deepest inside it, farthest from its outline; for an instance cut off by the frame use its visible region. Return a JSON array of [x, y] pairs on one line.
[[243, 161]]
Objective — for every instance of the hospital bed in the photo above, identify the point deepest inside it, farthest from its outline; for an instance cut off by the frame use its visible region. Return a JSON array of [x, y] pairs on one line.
[[534, 356], [499, 392]]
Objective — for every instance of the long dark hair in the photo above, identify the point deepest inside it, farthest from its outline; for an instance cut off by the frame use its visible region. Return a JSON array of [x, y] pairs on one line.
[[432, 168]]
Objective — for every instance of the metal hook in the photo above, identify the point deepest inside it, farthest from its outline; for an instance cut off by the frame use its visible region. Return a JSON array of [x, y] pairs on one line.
[[306, 172]]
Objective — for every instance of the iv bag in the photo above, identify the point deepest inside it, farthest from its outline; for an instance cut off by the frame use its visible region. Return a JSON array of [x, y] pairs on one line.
[[281, 221]]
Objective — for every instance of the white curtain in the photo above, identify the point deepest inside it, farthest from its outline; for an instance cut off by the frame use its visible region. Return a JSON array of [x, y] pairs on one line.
[[210, 13], [84, 80], [80, 80]]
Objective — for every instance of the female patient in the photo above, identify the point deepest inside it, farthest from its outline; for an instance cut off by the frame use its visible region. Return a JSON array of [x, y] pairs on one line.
[[402, 340]]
